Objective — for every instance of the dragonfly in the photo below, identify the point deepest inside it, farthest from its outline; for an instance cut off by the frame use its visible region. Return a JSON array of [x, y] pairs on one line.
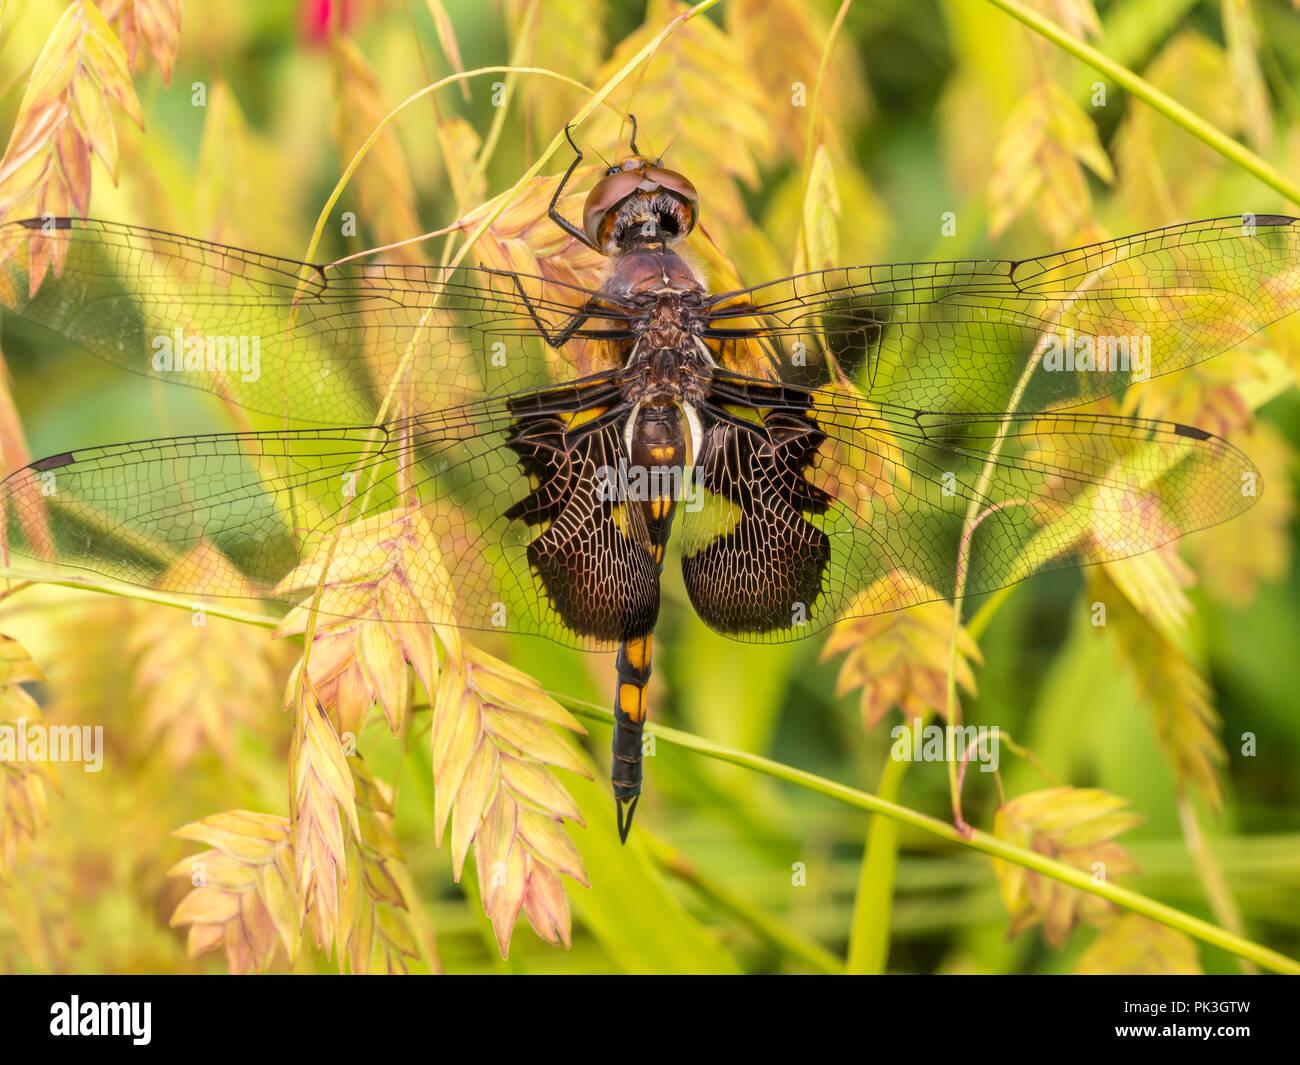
[[827, 445]]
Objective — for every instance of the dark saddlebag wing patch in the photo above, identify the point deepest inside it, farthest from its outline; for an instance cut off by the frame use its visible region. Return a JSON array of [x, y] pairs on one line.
[[752, 561], [591, 555]]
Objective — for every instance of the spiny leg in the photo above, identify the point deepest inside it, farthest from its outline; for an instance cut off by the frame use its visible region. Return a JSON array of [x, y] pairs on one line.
[[553, 212], [565, 333]]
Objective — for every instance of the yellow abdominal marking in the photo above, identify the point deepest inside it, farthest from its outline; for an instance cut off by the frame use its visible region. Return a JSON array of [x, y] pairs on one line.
[[629, 701], [638, 653], [659, 507]]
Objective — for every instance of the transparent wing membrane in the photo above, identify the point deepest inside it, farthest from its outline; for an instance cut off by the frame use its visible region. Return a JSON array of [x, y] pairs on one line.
[[863, 423], [1085, 323], [794, 535], [320, 344]]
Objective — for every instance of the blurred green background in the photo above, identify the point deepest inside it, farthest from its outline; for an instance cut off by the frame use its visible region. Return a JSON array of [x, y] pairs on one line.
[[926, 110]]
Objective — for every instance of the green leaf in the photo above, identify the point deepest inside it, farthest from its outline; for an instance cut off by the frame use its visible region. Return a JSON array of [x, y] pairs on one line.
[[629, 909]]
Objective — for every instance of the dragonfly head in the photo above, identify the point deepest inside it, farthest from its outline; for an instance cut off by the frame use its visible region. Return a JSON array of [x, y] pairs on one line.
[[639, 202]]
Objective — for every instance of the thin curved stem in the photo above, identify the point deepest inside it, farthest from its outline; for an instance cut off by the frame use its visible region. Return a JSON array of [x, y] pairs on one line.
[[873, 901], [976, 841], [1182, 116], [319, 230], [1208, 871], [880, 806], [130, 591], [676, 864], [810, 137]]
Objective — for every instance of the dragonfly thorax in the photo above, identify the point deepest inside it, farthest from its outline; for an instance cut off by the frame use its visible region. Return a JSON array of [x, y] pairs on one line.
[[643, 275], [667, 363]]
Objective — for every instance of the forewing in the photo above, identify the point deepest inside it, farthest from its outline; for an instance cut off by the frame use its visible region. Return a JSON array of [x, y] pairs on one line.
[[817, 495], [1029, 335], [336, 344]]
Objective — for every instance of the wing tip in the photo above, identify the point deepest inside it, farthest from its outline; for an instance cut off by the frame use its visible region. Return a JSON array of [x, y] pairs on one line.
[[1273, 219], [47, 222], [53, 462]]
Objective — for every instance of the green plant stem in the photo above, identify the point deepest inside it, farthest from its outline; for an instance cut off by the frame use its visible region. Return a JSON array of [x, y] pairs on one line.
[[144, 595], [810, 140], [598, 97], [364, 150], [984, 615], [976, 840], [814, 112], [869, 933], [1222, 904], [873, 902], [1202, 130], [493, 138], [789, 942]]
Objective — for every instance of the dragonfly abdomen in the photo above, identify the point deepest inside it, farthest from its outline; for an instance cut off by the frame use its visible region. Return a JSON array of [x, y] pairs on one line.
[[629, 727], [657, 473], [657, 468]]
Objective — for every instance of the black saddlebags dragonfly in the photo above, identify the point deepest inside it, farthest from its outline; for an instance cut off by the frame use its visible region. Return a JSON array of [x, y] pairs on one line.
[[810, 436]]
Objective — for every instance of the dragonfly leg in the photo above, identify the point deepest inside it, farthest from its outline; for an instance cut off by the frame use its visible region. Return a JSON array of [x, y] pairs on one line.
[[553, 212], [564, 334]]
